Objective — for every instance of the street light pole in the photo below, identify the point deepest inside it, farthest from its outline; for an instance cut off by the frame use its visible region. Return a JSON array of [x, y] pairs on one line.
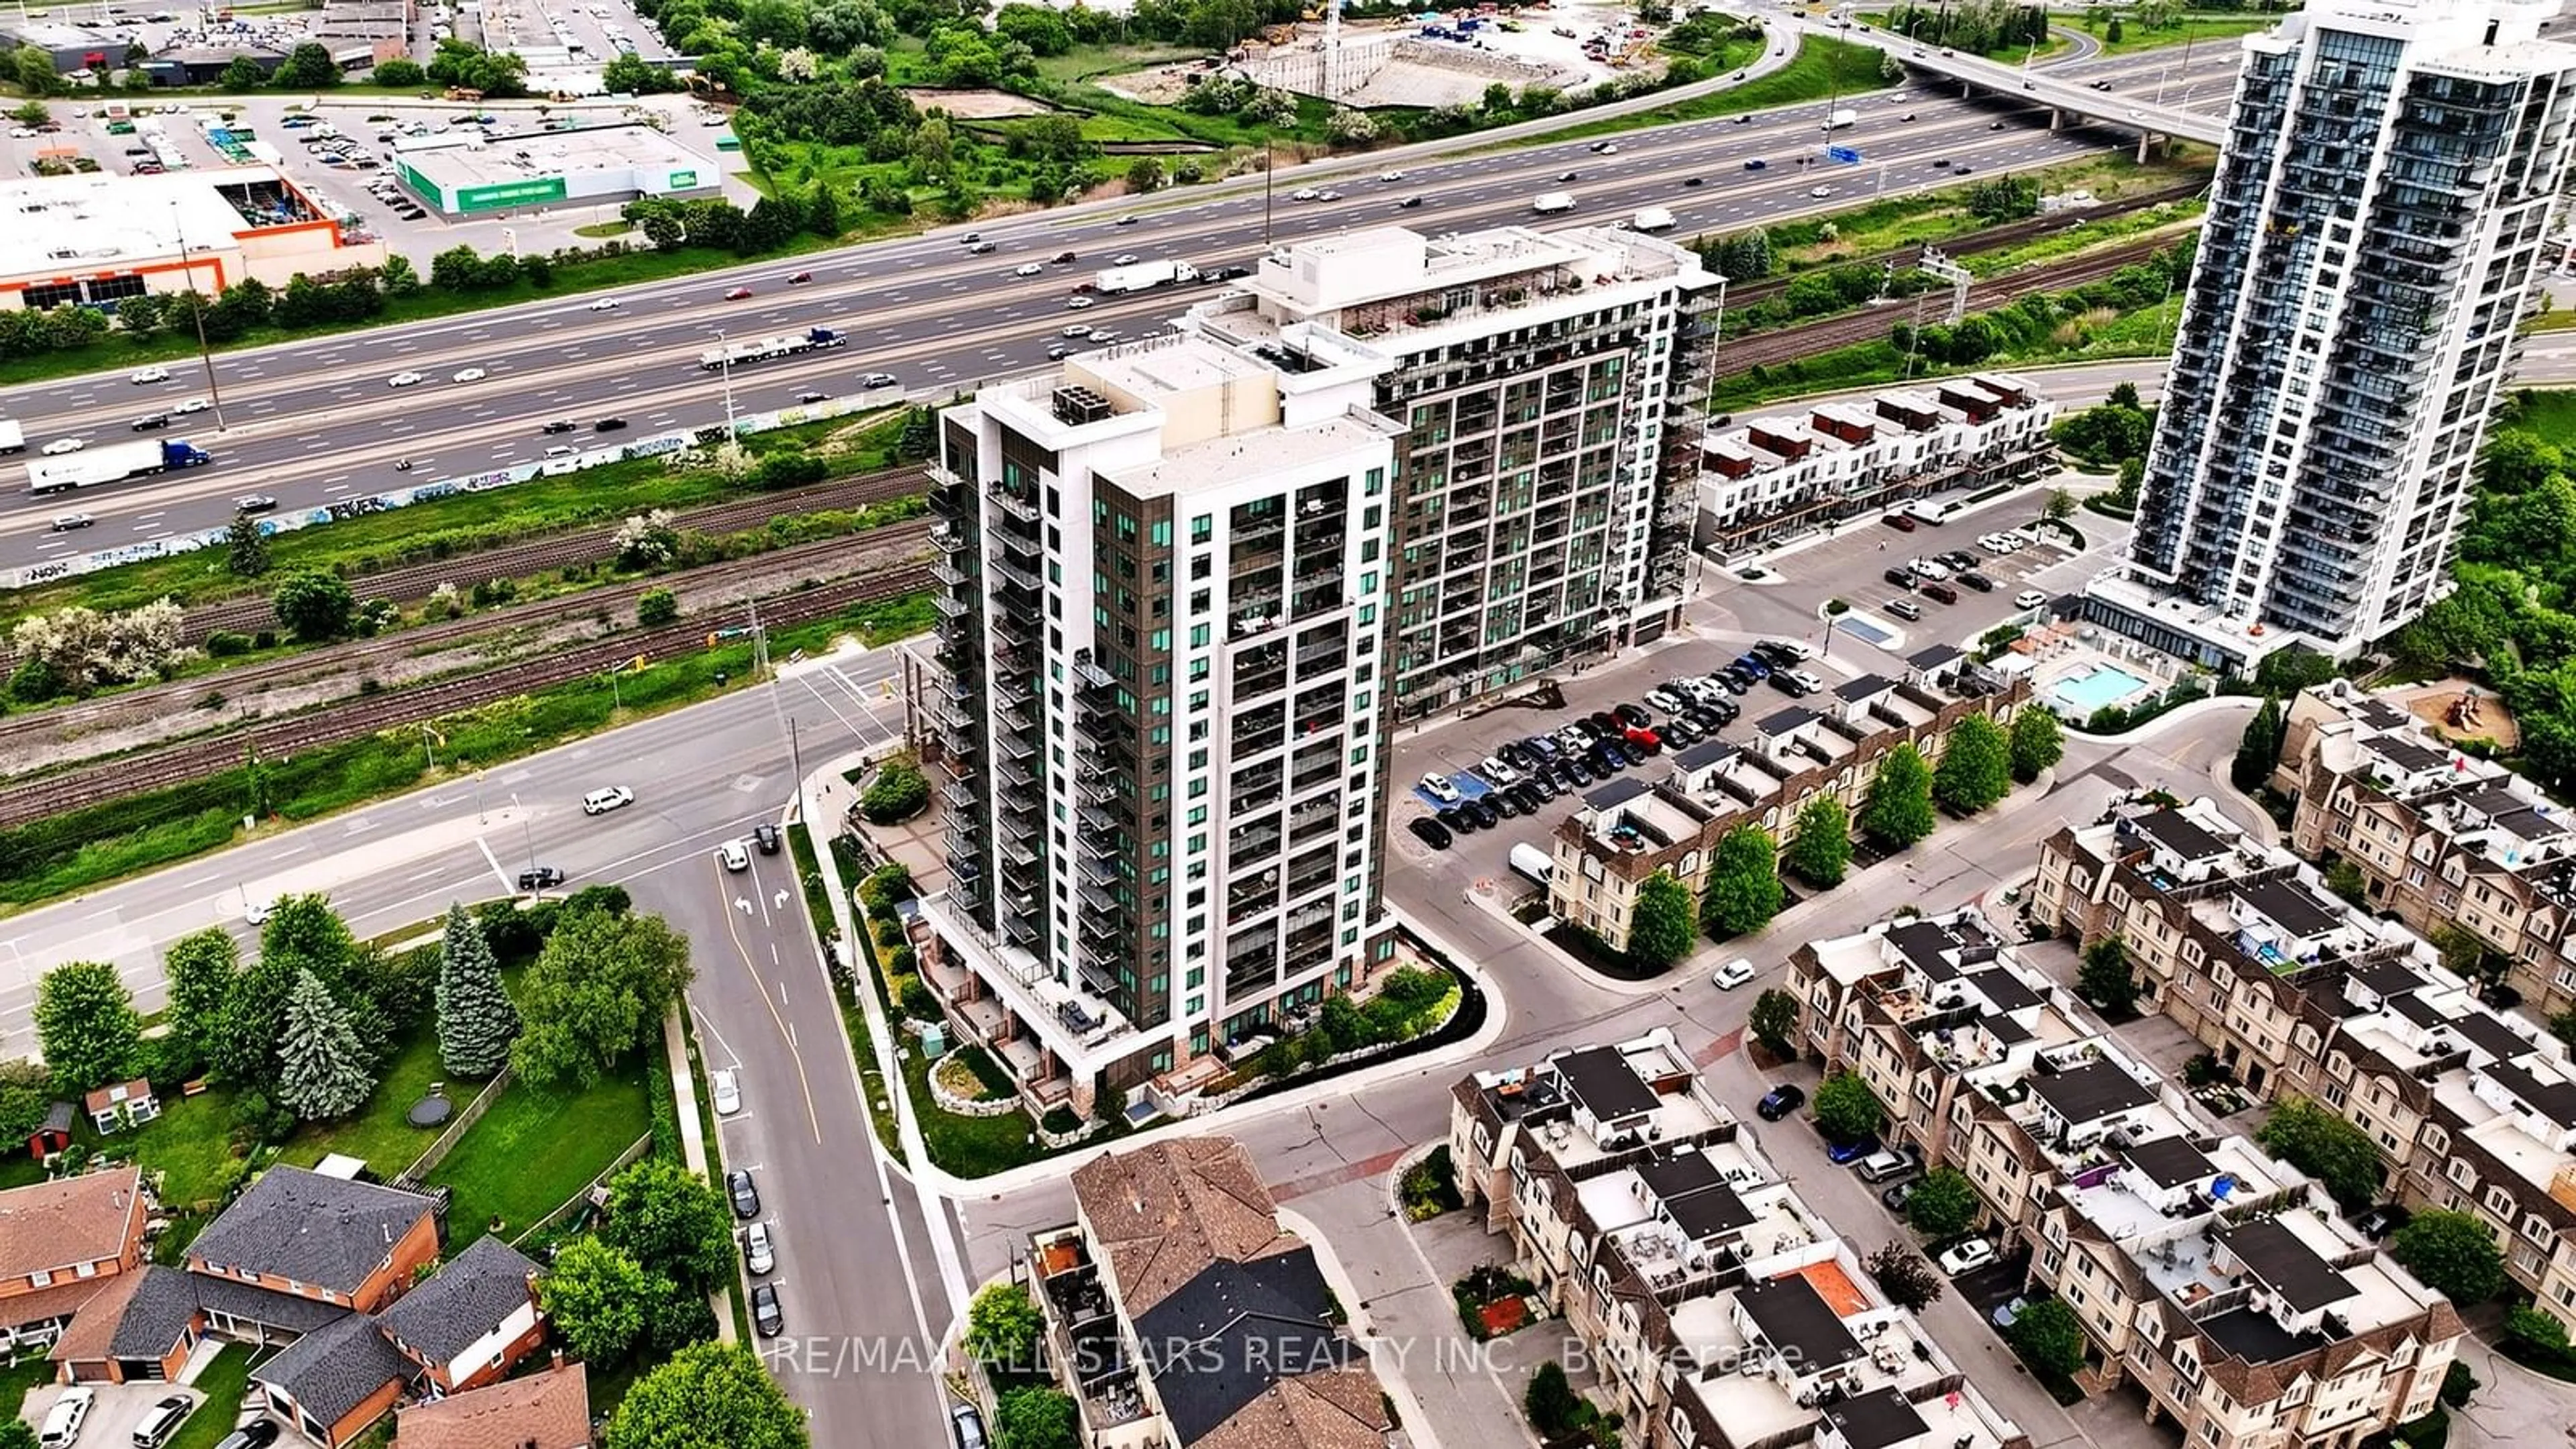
[[724, 369], [527, 831], [197, 313]]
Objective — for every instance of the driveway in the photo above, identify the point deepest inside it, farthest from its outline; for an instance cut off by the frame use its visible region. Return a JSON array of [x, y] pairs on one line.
[[114, 1414]]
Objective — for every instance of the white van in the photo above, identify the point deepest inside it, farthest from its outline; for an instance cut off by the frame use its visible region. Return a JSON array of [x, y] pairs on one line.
[[1532, 861]]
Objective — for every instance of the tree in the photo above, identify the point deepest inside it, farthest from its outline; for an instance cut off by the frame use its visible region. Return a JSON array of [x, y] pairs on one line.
[[2453, 1253], [321, 1070], [398, 72], [1550, 1401], [899, 792], [1743, 884], [15, 1434], [1976, 766], [1003, 1324], [2259, 749], [596, 1294], [1896, 811], [86, 1026], [2049, 1337], [2038, 743], [656, 607], [1144, 175], [1820, 846], [1943, 1203], [302, 934], [1846, 1109], [709, 1393], [671, 1221], [32, 66], [1909, 1282], [307, 67], [476, 1022], [2060, 506], [315, 605], [2325, 1146], [245, 547], [2533, 1329], [2346, 880], [2104, 979], [241, 73], [1660, 928], [1035, 1418], [597, 991], [1774, 1020], [201, 968], [31, 113]]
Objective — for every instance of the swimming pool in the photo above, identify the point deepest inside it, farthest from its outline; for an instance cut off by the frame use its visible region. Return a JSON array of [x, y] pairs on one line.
[[2103, 685]]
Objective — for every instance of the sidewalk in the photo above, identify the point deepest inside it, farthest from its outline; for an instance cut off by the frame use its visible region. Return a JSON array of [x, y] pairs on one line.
[[693, 1140]]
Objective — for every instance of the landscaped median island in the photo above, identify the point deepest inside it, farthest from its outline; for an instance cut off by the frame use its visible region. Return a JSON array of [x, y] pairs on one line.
[[471, 1099]]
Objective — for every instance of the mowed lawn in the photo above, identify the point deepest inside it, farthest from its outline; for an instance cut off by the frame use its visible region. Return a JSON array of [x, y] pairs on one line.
[[534, 1150]]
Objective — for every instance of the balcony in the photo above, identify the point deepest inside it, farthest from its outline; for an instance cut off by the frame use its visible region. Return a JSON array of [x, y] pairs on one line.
[[951, 606], [1096, 899], [958, 794], [1011, 573], [1023, 509]]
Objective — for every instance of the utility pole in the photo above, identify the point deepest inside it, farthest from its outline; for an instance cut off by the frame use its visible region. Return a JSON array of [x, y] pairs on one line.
[[196, 310], [1269, 168], [724, 369]]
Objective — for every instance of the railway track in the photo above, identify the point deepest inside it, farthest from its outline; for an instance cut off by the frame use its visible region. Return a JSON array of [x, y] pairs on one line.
[[180, 695], [195, 759], [1993, 238], [1771, 348], [589, 544]]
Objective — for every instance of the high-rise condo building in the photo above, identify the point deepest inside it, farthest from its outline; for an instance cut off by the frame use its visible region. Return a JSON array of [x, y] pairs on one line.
[[2375, 229], [1551, 386], [1163, 718]]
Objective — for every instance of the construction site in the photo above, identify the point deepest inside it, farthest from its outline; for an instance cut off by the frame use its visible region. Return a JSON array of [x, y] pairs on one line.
[[1440, 59]]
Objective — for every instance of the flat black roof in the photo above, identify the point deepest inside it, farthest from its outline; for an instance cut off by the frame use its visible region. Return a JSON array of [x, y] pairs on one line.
[[1927, 943], [1710, 751], [1617, 792], [1876, 1420], [2290, 907], [1792, 1316], [2553, 1100], [2388, 975], [2091, 1092], [2180, 834], [1603, 1084], [1780, 722], [2003, 988], [1854, 691], [1709, 1213], [2257, 1337], [2501, 1041], [2408, 755], [1680, 1175], [2286, 1265], [2170, 1161], [1934, 657]]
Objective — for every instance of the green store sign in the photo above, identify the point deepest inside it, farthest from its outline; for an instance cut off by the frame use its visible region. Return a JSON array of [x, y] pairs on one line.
[[510, 193]]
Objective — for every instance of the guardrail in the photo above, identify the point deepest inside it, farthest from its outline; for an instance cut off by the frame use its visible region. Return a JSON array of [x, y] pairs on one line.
[[653, 447]]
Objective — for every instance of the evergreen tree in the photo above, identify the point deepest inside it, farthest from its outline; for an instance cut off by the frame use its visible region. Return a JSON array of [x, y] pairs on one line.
[[2259, 750], [322, 1070], [476, 1022]]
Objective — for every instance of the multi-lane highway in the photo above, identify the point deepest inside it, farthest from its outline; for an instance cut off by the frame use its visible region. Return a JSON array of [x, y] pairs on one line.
[[315, 422]]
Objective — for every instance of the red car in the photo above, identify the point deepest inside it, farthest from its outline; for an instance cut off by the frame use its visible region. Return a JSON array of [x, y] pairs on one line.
[[1901, 522], [1645, 739], [800, 278], [738, 294]]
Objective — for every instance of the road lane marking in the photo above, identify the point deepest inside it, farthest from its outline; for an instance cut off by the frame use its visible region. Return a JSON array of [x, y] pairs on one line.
[[804, 1083], [485, 846]]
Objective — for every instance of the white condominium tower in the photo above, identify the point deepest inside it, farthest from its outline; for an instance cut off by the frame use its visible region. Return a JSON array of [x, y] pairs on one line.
[[2380, 213]]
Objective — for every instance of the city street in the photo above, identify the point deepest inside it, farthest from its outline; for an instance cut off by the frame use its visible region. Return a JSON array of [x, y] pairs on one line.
[[315, 422]]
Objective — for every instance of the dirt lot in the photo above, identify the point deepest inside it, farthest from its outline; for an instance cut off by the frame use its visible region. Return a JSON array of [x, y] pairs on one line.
[[977, 105], [2435, 704]]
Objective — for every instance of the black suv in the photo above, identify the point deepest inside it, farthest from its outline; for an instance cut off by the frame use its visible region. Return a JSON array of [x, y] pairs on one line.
[[1902, 578], [765, 835], [1780, 1101], [538, 878]]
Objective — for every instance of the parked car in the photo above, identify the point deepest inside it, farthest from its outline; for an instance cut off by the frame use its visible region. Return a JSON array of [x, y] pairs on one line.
[[2378, 1222], [1902, 523], [1752, 666], [1973, 1254], [746, 1198], [726, 1088], [1439, 787], [759, 1253], [1733, 974], [257, 1434], [1485, 816], [1497, 771], [1905, 609], [1882, 1166], [1977, 581], [1780, 1101], [63, 1421], [1632, 716], [163, 1421], [1456, 820], [1791, 683], [766, 1316], [1940, 592], [967, 1423], [1898, 1194], [1430, 832], [2030, 599], [1844, 1154], [1900, 578]]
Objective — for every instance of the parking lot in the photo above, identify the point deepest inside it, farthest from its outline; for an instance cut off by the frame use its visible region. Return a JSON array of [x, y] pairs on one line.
[[1783, 605]]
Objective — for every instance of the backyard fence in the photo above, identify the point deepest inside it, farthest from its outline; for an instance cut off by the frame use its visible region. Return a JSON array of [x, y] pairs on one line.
[[579, 1200], [427, 1163]]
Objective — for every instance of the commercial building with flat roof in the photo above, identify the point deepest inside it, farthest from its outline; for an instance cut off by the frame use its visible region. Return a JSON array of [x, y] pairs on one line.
[[95, 239], [461, 173]]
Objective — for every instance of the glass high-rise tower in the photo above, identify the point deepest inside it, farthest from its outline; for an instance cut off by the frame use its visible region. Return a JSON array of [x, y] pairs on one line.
[[2381, 210]]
